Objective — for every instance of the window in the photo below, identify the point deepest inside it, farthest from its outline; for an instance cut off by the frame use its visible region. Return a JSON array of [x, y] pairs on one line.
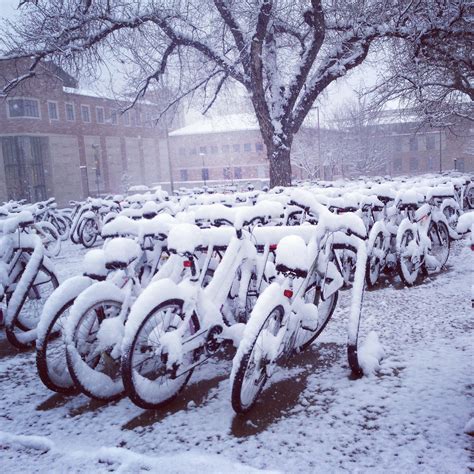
[[247, 147], [70, 115], [85, 113], [133, 119], [413, 143], [238, 172], [430, 163], [184, 175], [113, 117], [236, 148], [413, 163], [193, 151], [99, 114], [227, 173], [459, 164], [139, 118], [214, 149], [23, 108], [126, 118], [430, 142], [397, 164], [53, 111], [225, 148], [205, 174], [182, 151], [259, 146], [202, 150]]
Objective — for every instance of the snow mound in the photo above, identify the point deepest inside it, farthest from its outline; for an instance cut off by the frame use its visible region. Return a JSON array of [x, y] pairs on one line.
[[370, 354], [469, 428]]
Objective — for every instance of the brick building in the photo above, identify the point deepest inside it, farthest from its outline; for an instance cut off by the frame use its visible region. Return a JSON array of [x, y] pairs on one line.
[[58, 140], [219, 149], [230, 148]]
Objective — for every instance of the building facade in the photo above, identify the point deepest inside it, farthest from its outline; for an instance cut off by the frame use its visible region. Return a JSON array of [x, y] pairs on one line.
[[222, 149], [230, 148], [58, 140]]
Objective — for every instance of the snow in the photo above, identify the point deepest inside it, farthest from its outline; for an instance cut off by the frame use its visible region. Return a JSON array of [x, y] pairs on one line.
[[292, 253], [219, 124], [371, 354], [413, 414]]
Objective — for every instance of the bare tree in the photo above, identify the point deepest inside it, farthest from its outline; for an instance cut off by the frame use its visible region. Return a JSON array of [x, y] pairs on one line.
[[435, 79], [284, 53]]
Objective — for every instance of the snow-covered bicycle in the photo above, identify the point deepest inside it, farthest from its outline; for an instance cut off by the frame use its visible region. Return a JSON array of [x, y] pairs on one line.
[[293, 311]]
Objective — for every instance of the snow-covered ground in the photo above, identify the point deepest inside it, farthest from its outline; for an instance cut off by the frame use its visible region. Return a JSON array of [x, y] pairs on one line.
[[409, 417]]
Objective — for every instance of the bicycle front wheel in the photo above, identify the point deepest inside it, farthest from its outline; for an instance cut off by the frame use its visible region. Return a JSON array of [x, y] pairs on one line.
[[21, 332], [440, 242], [148, 380], [94, 335], [253, 368]]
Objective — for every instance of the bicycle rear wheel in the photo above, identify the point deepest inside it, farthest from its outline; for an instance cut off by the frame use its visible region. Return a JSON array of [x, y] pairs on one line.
[[326, 309], [147, 379], [408, 267], [88, 232], [252, 370]]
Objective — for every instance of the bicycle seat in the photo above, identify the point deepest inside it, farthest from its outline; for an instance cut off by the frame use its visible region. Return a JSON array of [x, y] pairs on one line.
[[297, 272], [120, 253], [121, 226]]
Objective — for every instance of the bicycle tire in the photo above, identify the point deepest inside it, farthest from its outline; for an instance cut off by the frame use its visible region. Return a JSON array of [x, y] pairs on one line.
[[374, 264], [149, 386], [251, 361], [407, 270], [88, 232], [95, 370], [51, 360], [21, 331], [326, 309]]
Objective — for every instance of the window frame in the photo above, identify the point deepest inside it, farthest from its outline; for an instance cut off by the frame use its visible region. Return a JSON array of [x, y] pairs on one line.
[[73, 111], [88, 107], [97, 108], [55, 103], [33, 99]]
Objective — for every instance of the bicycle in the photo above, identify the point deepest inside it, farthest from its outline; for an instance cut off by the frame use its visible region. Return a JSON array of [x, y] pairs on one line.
[[422, 241], [175, 327], [28, 279], [288, 316]]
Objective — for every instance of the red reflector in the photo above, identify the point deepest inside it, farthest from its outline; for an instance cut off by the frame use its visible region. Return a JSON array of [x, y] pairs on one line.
[[288, 293], [273, 246], [187, 264], [472, 247]]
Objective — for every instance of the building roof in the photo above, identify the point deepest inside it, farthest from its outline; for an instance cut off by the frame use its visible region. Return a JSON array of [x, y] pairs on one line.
[[219, 124]]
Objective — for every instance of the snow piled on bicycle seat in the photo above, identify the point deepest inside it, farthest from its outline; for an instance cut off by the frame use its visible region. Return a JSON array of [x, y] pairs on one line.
[[292, 252]]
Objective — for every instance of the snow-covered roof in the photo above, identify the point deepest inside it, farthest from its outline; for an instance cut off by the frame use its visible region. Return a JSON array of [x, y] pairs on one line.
[[86, 92], [91, 93], [219, 124]]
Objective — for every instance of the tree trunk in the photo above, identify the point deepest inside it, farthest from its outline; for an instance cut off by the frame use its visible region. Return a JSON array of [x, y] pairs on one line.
[[280, 166]]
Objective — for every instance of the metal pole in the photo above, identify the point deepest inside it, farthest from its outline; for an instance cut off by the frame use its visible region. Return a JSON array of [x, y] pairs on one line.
[[169, 158], [440, 154], [319, 145], [203, 168]]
